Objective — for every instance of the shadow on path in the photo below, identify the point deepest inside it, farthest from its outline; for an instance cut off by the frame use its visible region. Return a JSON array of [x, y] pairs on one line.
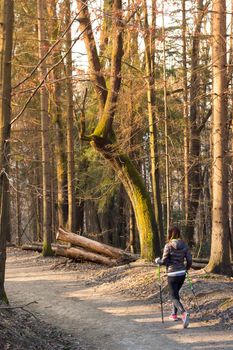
[[106, 322]]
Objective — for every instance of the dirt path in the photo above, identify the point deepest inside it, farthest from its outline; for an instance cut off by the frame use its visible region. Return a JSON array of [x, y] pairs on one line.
[[101, 321]]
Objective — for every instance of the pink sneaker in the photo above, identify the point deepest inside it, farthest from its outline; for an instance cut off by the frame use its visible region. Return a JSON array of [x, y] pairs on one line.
[[185, 319], [173, 317]]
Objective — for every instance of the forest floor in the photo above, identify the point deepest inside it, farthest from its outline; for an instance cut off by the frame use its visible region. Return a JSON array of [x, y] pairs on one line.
[[82, 306]]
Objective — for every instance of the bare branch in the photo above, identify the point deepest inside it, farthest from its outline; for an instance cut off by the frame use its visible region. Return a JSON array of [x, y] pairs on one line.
[[94, 62], [104, 127], [47, 53], [44, 79]]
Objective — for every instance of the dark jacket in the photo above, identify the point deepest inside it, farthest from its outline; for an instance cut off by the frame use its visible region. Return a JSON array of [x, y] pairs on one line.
[[174, 255]]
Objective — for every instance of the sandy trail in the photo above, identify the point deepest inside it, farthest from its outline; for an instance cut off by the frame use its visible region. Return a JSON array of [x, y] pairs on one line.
[[103, 322]]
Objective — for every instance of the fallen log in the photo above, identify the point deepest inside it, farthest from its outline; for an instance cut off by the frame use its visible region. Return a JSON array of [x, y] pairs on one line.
[[37, 246], [33, 246], [204, 261], [201, 260], [78, 253], [94, 246], [72, 253]]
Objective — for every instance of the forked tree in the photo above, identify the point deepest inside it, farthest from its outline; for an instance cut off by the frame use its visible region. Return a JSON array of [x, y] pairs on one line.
[[103, 138]]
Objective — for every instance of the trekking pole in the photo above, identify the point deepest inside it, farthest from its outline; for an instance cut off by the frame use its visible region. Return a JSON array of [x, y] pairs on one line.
[[160, 293], [192, 289]]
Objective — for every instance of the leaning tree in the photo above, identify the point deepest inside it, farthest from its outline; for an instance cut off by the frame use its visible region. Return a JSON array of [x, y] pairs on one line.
[[103, 138]]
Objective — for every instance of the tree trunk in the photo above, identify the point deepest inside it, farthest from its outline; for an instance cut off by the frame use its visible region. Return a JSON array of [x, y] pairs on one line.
[[46, 170], [60, 137], [185, 112], [18, 207], [132, 233], [149, 39], [220, 257], [6, 29], [105, 27], [34, 226], [121, 225], [38, 204], [71, 224], [103, 137], [230, 77], [92, 220], [93, 58], [167, 165], [139, 198], [83, 164], [194, 168]]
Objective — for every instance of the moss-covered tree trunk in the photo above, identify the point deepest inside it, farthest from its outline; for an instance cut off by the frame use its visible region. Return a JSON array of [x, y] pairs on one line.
[[132, 232], [139, 197], [103, 138], [6, 29]]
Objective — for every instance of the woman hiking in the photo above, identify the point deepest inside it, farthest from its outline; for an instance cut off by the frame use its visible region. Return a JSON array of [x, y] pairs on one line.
[[175, 253]]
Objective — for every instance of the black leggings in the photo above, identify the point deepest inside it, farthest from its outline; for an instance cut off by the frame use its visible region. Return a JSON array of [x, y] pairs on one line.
[[174, 284]]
